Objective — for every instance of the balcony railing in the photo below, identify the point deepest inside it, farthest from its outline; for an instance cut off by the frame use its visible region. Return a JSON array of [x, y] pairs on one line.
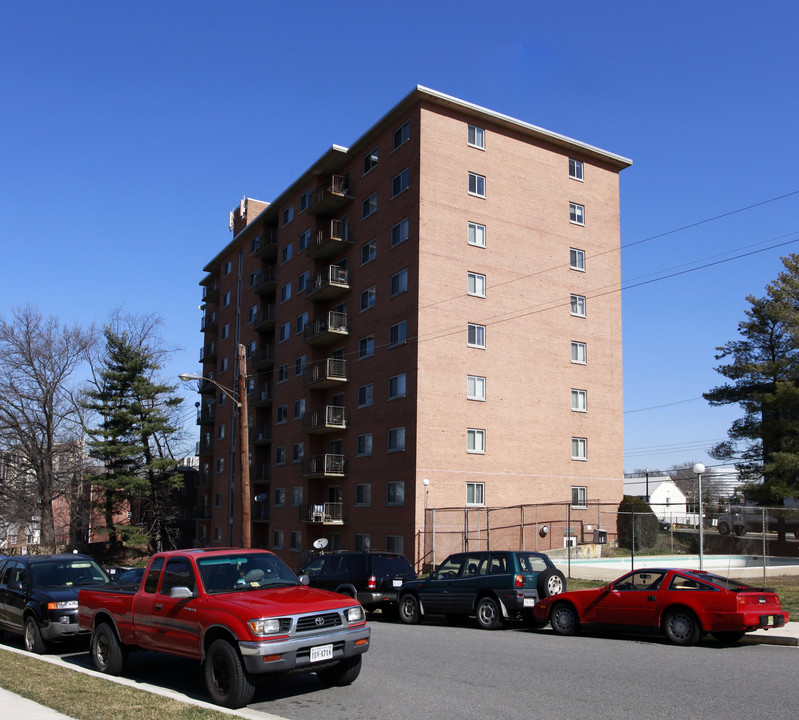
[[332, 239], [260, 512], [265, 247], [327, 329], [265, 317], [210, 290], [206, 415], [210, 322], [204, 387], [333, 197], [331, 418], [324, 466], [208, 353], [266, 284], [330, 284], [261, 434], [329, 513], [262, 396], [264, 356], [326, 373], [261, 473]]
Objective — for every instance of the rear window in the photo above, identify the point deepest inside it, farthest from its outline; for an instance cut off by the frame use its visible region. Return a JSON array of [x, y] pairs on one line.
[[529, 562], [391, 565]]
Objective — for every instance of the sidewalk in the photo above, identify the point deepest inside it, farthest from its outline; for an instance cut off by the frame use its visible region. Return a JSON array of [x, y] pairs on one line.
[[20, 707]]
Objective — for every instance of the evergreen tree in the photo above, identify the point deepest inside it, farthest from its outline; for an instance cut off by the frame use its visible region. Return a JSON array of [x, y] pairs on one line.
[[133, 440]]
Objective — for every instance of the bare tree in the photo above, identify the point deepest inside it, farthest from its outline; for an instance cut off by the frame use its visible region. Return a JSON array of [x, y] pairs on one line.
[[39, 426]]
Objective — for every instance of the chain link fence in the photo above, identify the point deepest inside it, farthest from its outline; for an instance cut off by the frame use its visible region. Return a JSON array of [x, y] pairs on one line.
[[600, 543]]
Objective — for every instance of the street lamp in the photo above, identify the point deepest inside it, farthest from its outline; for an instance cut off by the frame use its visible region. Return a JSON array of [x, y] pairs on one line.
[[244, 435], [426, 484], [699, 468]]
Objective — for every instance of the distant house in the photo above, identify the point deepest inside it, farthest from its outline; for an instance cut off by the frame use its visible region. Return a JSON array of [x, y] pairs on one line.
[[667, 501]]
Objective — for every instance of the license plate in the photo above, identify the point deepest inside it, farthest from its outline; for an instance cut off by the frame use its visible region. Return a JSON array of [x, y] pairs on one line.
[[769, 620], [529, 602], [321, 652], [397, 583]]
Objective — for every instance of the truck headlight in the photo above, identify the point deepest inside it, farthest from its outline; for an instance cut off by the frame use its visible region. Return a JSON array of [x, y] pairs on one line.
[[264, 626], [63, 605], [354, 614]]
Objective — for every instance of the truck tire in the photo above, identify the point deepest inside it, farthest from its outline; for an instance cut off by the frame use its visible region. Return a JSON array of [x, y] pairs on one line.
[[32, 636], [226, 680], [343, 672], [723, 528], [107, 654]]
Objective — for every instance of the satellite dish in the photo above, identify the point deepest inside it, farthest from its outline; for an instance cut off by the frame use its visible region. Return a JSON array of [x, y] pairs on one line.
[[261, 497], [320, 544]]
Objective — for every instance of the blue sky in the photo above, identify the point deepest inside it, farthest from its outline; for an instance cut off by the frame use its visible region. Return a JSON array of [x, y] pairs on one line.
[[128, 131]]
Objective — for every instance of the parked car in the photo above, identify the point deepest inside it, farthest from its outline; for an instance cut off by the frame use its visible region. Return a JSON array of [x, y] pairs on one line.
[[242, 613], [743, 519], [493, 586], [372, 578], [127, 576], [39, 596], [683, 605]]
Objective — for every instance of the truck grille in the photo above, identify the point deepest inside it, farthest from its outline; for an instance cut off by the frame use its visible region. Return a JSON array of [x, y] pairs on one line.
[[308, 623]]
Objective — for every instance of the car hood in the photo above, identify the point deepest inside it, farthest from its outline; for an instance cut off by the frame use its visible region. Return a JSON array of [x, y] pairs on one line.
[[62, 594], [292, 600]]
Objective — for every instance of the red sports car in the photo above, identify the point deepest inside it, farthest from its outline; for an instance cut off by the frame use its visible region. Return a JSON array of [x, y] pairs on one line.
[[681, 604]]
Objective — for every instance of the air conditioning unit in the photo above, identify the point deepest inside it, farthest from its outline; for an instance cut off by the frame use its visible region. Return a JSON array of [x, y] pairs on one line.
[[600, 536]]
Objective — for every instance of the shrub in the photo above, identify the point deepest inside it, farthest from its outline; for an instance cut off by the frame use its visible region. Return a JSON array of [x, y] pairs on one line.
[[634, 511]]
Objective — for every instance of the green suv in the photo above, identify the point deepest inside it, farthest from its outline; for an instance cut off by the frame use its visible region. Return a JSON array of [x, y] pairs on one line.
[[492, 585]]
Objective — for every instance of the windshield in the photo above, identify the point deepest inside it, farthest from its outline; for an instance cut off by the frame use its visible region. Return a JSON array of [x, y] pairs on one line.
[[67, 573], [234, 573]]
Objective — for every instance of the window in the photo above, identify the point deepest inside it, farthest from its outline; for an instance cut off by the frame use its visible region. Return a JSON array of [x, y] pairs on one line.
[[399, 233], [475, 441], [299, 366], [296, 495], [366, 395], [399, 282], [281, 414], [476, 336], [226, 299], [284, 332], [398, 334], [282, 372], [477, 137], [370, 161], [225, 334], [477, 185], [577, 259], [369, 206], [303, 240], [363, 494], [286, 253], [285, 292], [288, 215], [579, 400], [578, 305], [576, 214], [220, 465], [395, 544], [477, 235], [402, 134], [362, 542], [475, 493], [280, 497], [297, 452], [252, 313], [368, 251], [578, 352], [579, 497], [395, 492], [396, 386], [302, 281], [366, 347], [299, 408], [305, 200], [228, 268], [579, 448], [277, 539], [300, 323], [368, 298], [280, 456], [223, 365], [475, 387], [220, 432], [295, 540], [396, 439], [254, 277], [364, 445], [476, 284], [575, 169], [401, 182]]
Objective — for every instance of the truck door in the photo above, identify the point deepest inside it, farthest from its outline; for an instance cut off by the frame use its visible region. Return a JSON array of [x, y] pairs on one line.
[[175, 621]]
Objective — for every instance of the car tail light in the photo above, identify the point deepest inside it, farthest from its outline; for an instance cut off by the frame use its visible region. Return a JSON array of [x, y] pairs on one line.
[[518, 581], [372, 584]]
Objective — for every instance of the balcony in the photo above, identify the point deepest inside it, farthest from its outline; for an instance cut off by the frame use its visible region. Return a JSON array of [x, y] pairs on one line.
[[261, 473], [210, 289], [262, 396], [206, 445], [263, 357], [204, 478], [324, 466], [266, 284], [330, 328], [326, 373], [260, 513], [329, 513], [261, 435], [210, 322], [206, 415], [208, 353], [331, 418], [265, 318], [265, 247], [332, 239], [203, 512], [332, 198], [328, 285], [204, 387]]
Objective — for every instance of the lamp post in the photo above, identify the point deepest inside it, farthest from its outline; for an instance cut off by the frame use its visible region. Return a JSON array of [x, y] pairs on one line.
[[244, 438], [426, 484], [699, 468]]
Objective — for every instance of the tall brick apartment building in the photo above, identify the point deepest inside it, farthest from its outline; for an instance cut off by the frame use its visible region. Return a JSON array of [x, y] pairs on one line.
[[437, 302]]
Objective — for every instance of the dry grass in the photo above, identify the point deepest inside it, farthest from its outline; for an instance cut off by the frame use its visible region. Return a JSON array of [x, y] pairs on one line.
[[85, 697]]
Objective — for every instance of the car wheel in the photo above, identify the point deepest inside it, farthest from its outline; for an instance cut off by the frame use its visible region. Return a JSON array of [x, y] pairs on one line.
[[564, 619], [723, 528], [681, 627], [107, 654], [227, 681], [551, 582], [728, 637], [33, 637], [409, 609], [489, 614], [342, 673]]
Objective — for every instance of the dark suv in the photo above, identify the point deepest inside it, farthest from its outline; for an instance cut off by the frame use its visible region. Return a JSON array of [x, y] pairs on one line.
[[492, 585], [372, 578], [39, 596]]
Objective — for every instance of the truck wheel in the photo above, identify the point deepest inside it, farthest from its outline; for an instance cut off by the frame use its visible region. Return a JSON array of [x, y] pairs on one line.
[[343, 672], [33, 637], [226, 679], [107, 654], [409, 609], [551, 582], [723, 528]]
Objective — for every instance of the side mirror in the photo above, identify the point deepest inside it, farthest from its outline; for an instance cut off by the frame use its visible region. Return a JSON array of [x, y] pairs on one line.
[[305, 580], [180, 592], [433, 575]]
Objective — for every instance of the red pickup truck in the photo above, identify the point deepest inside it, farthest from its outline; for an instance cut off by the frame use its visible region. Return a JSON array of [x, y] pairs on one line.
[[242, 613]]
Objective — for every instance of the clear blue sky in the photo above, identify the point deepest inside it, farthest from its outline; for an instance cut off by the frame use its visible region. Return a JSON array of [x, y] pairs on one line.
[[130, 130]]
